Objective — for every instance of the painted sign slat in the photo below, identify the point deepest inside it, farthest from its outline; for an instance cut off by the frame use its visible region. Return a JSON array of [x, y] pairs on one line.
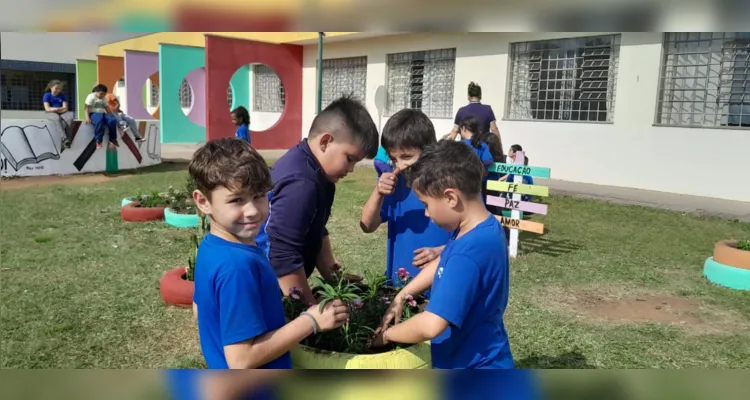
[[526, 206], [518, 169], [520, 188]]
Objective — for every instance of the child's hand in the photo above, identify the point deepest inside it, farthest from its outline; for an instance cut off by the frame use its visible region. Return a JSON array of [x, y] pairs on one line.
[[378, 340], [333, 316], [87, 120], [387, 182], [425, 255], [393, 313]]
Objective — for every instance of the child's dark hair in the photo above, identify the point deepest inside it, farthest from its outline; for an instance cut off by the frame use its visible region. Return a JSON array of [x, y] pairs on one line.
[[493, 143], [444, 165], [408, 129], [52, 84], [242, 114], [475, 90], [517, 147], [472, 124], [348, 116], [100, 88], [231, 163]]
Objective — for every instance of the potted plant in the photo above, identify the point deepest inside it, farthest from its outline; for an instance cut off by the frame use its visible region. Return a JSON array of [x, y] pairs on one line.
[[146, 208], [182, 212], [176, 286], [139, 196], [730, 264], [349, 346]]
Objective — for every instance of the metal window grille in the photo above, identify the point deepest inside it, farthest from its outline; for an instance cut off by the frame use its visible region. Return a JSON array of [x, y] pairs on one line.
[[230, 96], [422, 80], [564, 79], [154, 95], [344, 76], [186, 94], [268, 92], [23, 90], [704, 80]]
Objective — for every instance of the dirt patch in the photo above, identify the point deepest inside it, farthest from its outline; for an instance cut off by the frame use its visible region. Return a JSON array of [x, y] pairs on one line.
[[616, 306], [21, 183]]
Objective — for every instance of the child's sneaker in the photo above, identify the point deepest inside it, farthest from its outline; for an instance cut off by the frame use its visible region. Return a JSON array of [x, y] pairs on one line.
[[114, 143], [98, 145]]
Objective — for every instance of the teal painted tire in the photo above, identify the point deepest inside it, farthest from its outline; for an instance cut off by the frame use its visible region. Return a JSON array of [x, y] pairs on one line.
[[724, 275], [181, 220], [126, 201]]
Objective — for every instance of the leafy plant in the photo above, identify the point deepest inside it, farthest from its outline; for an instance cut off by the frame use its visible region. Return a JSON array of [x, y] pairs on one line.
[[195, 239], [155, 199], [744, 244], [181, 201], [367, 303]]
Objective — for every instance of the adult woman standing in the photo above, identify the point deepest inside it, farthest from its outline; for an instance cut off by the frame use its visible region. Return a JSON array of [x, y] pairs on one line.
[[482, 112], [56, 106]]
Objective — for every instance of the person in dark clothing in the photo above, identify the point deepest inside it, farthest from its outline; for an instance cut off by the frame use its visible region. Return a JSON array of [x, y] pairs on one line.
[[483, 112], [294, 235]]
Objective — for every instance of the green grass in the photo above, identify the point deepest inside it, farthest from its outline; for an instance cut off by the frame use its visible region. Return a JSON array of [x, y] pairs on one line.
[[80, 287]]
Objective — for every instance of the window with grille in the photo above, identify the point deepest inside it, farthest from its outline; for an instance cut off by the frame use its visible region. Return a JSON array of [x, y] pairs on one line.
[[186, 94], [154, 95], [704, 80], [422, 80], [268, 92], [23, 90], [564, 79], [230, 96], [344, 76]]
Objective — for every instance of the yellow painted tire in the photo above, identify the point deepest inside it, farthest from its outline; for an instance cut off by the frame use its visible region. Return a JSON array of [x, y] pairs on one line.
[[413, 357]]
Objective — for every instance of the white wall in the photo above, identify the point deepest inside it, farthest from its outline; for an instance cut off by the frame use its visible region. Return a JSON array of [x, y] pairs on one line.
[[631, 152]]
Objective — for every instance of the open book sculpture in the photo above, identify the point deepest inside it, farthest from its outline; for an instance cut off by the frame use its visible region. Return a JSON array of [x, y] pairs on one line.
[[30, 144]]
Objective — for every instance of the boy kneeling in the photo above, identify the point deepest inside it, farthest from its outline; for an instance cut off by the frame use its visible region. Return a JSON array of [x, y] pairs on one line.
[[464, 318], [241, 320]]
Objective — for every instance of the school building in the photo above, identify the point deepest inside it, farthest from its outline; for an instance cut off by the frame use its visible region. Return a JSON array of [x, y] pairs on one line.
[[654, 111]]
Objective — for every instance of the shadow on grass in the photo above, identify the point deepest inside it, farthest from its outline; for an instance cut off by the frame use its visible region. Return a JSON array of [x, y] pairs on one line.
[[532, 243], [570, 360], [166, 166]]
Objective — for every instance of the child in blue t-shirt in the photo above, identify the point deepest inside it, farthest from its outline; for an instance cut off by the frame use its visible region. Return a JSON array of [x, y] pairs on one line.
[[472, 136], [382, 162], [56, 105], [241, 321], [527, 180], [464, 318], [413, 240], [241, 118]]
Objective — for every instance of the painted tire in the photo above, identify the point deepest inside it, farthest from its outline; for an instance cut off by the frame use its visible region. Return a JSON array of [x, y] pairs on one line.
[[175, 290], [180, 220], [727, 253], [132, 213], [414, 357], [126, 201], [724, 275]]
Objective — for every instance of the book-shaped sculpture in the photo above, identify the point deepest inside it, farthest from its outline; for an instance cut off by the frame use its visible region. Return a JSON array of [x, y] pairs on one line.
[[152, 142], [30, 144]]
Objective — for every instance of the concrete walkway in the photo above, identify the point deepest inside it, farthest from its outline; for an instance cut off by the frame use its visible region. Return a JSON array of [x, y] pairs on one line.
[[648, 198]]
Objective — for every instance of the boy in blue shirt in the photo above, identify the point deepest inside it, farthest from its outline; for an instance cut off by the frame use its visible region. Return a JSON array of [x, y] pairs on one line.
[[464, 318], [240, 315], [294, 236], [413, 239]]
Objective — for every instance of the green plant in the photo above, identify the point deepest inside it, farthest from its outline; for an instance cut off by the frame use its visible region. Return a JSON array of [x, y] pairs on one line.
[[155, 199], [190, 185], [181, 201], [744, 244], [195, 239], [367, 303]]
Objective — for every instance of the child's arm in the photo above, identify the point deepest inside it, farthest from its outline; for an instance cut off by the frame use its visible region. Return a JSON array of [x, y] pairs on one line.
[[417, 286], [448, 305], [244, 333], [372, 212]]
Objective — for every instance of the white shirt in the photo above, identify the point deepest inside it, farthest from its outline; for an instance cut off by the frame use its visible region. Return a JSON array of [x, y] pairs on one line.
[[96, 105]]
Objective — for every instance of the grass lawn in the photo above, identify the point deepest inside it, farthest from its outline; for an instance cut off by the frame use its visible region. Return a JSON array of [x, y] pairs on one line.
[[607, 286]]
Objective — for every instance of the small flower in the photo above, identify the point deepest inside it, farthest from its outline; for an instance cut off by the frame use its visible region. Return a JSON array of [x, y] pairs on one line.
[[403, 274], [410, 301], [358, 304], [386, 300], [295, 293]]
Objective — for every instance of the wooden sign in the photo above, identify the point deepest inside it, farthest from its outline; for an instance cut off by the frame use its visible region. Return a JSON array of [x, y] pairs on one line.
[[520, 224], [512, 187], [513, 202], [518, 169]]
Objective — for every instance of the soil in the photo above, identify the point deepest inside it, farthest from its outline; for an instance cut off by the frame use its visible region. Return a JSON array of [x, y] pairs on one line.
[[22, 183], [618, 307]]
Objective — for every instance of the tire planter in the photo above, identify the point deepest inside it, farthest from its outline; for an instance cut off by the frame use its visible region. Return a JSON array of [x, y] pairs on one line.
[[126, 201], [176, 290], [727, 276], [132, 212], [414, 357], [727, 253], [181, 220]]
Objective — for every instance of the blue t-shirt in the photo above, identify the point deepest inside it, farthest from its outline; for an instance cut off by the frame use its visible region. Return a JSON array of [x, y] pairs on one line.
[[527, 180], [184, 384], [243, 132], [408, 230], [54, 101], [238, 298], [483, 152], [470, 291]]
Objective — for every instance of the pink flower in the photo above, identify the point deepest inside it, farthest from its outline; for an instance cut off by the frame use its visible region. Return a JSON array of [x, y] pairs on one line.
[[295, 293], [358, 304], [403, 274], [410, 301], [386, 300]]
